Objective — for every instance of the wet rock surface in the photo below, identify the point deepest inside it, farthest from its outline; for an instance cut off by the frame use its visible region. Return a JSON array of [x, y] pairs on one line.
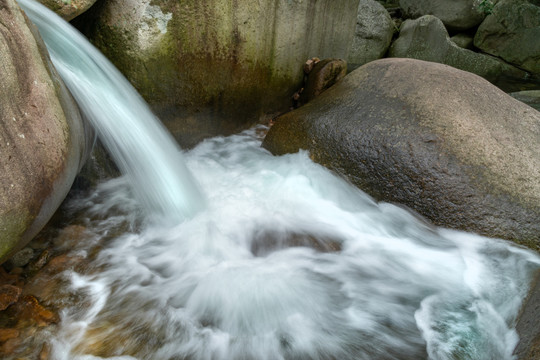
[[527, 327], [529, 97], [32, 296], [441, 141], [321, 77], [43, 140], [9, 295]]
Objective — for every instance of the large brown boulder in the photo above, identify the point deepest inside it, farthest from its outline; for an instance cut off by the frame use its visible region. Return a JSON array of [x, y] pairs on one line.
[[43, 141], [211, 67], [439, 140]]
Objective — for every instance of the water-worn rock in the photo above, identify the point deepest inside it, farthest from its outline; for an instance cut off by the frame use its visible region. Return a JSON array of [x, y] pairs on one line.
[[373, 34], [427, 39], [439, 140], [215, 66], [68, 9], [6, 334], [43, 139], [529, 97], [323, 75], [512, 32], [29, 309], [21, 258], [528, 347], [9, 295], [455, 14]]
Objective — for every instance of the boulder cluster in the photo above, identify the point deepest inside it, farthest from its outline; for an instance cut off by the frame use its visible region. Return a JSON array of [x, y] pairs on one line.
[[496, 39]]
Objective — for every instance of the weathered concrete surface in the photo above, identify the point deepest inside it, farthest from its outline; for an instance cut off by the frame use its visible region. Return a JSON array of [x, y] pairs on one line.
[[441, 141], [212, 67], [42, 138]]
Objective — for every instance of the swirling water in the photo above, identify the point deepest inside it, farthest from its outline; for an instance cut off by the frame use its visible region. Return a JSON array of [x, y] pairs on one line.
[[286, 261]]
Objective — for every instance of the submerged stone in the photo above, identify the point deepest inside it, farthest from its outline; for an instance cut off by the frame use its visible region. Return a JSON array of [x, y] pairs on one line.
[[6, 334], [528, 347], [9, 295], [441, 141]]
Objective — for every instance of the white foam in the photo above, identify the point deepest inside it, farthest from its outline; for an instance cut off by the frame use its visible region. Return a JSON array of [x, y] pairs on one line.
[[395, 288]]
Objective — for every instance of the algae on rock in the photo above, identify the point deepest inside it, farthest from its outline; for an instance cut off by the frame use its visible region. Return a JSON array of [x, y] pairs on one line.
[[215, 66]]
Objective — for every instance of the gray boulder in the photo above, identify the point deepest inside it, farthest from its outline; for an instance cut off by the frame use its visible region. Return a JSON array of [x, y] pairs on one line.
[[324, 74], [439, 140], [427, 39], [214, 66], [463, 40], [373, 34], [43, 142], [455, 14], [512, 32], [68, 9]]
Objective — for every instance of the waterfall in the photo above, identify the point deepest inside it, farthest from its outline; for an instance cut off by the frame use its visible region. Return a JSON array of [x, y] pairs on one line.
[[138, 142], [284, 261]]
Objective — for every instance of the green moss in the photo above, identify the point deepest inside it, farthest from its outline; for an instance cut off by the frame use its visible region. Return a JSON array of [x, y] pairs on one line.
[[13, 226]]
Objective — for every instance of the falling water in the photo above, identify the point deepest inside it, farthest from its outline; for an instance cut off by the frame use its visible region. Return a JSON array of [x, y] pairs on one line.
[[139, 144], [287, 261]]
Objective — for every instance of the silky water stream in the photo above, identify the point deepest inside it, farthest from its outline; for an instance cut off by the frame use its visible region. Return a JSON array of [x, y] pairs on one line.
[[281, 259]]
